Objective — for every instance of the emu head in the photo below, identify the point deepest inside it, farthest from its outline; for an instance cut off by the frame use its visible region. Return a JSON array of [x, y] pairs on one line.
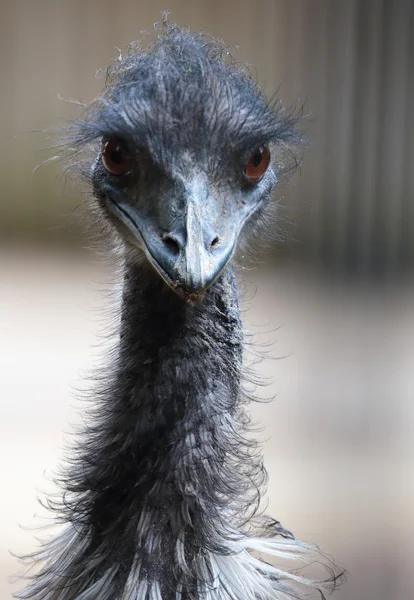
[[187, 153]]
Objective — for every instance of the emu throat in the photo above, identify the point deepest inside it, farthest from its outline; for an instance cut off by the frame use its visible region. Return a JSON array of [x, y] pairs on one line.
[[160, 478]]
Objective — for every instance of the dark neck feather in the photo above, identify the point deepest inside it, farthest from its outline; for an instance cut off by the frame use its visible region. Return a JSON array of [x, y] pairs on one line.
[[159, 496], [161, 467], [175, 389]]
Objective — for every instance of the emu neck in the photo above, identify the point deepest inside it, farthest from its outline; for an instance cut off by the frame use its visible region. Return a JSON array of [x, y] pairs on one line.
[[159, 497], [179, 362], [160, 475]]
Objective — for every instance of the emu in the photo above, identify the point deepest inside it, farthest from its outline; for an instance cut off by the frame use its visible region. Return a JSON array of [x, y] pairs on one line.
[[161, 496]]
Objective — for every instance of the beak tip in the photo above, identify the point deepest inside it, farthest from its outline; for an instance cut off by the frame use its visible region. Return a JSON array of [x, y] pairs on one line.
[[194, 282]]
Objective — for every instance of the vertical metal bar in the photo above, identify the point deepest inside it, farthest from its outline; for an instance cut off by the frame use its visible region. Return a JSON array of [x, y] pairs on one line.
[[341, 65], [389, 166], [366, 133], [405, 255]]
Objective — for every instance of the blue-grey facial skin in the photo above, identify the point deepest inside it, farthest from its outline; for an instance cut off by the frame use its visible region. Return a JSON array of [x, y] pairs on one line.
[[188, 123], [185, 222]]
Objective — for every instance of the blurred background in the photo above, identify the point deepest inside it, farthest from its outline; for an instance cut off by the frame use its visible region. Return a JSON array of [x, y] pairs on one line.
[[338, 437]]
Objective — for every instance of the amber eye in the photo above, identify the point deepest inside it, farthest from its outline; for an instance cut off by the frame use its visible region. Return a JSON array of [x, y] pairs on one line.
[[115, 158], [257, 164]]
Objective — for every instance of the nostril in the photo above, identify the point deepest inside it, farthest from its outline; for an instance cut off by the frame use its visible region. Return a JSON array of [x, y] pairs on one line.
[[172, 242], [215, 242]]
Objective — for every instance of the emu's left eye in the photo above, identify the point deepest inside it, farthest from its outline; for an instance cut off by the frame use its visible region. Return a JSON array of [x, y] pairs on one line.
[[115, 158], [257, 164]]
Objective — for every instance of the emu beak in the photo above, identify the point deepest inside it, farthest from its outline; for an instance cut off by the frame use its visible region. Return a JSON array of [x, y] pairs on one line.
[[191, 254]]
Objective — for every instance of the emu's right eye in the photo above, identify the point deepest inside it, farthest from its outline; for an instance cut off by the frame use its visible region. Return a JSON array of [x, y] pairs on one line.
[[257, 164], [115, 158]]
